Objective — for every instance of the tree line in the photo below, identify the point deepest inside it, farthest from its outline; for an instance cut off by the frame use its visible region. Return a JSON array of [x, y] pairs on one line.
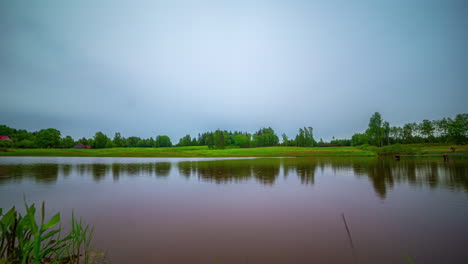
[[219, 139], [446, 130], [378, 133]]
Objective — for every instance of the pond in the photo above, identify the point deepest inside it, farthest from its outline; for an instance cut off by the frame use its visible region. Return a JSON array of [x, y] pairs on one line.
[[262, 210]]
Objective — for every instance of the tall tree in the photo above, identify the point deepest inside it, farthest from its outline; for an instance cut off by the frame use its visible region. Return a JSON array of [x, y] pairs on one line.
[[67, 142], [48, 138], [458, 129], [163, 141], [265, 137], [375, 130], [427, 130], [386, 132], [209, 140], [118, 140], [219, 140], [359, 139], [100, 140], [6, 131]]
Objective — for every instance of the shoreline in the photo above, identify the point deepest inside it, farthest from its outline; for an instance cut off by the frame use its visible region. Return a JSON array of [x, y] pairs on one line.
[[204, 152]]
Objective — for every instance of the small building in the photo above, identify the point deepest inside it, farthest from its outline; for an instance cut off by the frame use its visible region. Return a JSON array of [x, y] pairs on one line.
[[7, 138], [81, 146]]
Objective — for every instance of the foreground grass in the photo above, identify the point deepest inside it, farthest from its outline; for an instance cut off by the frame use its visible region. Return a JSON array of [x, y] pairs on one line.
[[203, 151], [24, 239]]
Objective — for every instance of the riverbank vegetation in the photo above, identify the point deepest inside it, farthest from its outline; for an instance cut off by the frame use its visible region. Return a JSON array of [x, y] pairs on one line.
[[278, 151], [25, 240], [378, 134]]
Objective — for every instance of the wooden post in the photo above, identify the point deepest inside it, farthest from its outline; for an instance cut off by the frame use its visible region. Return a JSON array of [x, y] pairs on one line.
[[445, 157]]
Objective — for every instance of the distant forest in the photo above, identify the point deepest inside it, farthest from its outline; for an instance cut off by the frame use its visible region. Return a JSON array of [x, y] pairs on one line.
[[379, 133]]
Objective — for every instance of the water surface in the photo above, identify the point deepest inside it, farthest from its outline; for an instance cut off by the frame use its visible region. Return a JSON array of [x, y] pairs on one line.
[[275, 210]]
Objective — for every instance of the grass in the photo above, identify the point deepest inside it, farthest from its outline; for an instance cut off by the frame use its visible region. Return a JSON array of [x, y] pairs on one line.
[[24, 239], [198, 151], [416, 149], [203, 151]]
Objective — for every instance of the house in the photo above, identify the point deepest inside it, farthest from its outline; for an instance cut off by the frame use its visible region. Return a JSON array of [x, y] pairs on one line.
[[7, 138], [81, 146]]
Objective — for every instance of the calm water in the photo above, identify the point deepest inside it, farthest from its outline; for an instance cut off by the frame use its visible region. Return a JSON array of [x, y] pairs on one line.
[[254, 210]]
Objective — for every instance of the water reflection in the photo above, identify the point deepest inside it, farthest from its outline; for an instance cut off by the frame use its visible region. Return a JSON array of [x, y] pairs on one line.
[[382, 173], [40, 173]]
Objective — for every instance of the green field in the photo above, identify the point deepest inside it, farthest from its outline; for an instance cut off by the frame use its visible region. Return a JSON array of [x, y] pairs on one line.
[[203, 151]]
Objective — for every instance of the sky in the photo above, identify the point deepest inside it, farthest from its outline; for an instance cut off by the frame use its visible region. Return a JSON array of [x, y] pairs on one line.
[[148, 68]]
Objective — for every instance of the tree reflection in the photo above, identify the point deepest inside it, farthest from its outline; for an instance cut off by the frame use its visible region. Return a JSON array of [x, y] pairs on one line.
[[99, 171], [40, 173], [381, 172], [222, 171], [162, 169], [384, 173]]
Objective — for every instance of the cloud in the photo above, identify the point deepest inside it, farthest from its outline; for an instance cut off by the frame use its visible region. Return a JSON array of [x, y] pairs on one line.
[[178, 67]]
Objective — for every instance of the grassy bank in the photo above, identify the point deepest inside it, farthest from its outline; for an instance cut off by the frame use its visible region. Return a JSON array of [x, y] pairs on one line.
[[415, 149], [199, 151], [203, 151]]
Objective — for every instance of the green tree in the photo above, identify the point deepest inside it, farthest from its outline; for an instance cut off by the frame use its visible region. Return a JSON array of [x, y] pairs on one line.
[[6, 131], [386, 132], [427, 130], [458, 129], [242, 140], [22, 134], [407, 133], [441, 128], [100, 140], [218, 139], [84, 141], [396, 135], [309, 137], [375, 130], [109, 144], [118, 141], [285, 140], [265, 137], [5, 144], [185, 141], [209, 140], [25, 143], [48, 138], [359, 139], [67, 142], [163, 141], [132, 141]]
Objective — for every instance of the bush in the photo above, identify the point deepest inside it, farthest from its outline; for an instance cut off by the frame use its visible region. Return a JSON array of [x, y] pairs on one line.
[[6, 144], [389, 150], [396, 149], [26, 143]]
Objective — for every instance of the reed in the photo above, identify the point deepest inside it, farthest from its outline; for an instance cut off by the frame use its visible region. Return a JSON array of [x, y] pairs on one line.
[[25, 240]]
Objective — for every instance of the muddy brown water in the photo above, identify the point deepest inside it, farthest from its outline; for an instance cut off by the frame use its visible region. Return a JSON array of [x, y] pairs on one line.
[[265, 210]]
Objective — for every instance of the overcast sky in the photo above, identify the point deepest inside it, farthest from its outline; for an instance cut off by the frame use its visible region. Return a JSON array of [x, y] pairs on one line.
[[147, 68]]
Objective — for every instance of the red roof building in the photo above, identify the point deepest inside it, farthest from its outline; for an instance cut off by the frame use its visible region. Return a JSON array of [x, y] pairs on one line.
[[5, 138], [82, 146]]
